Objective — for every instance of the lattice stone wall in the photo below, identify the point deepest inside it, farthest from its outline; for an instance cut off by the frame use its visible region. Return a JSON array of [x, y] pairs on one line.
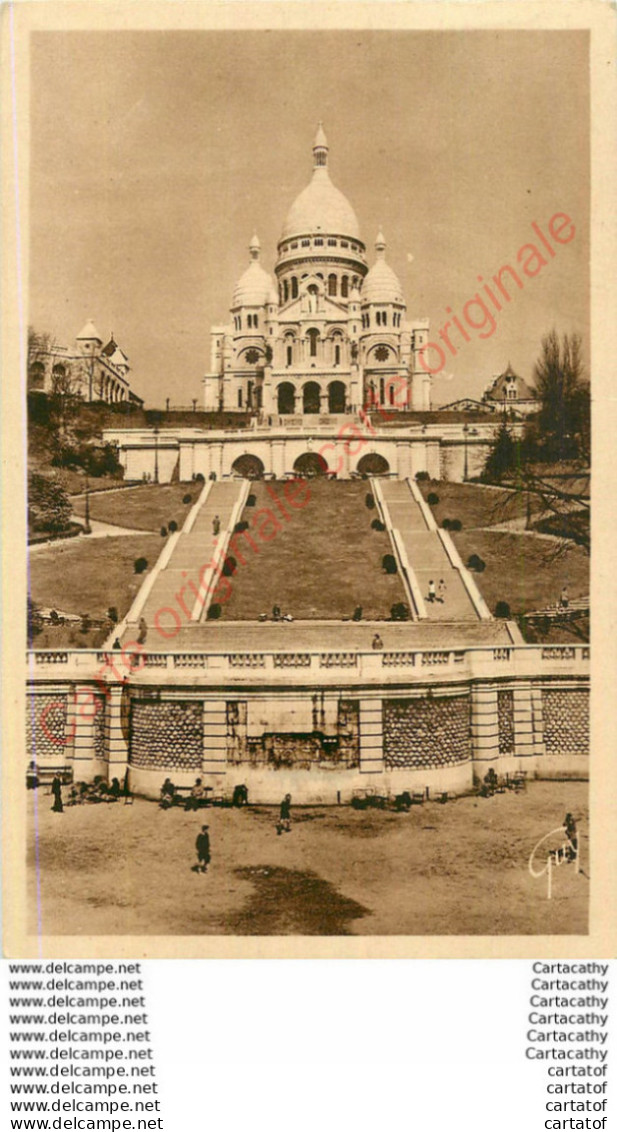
[[167, 735], [426, 732], [46, 739], [566, 721], [505, 713]]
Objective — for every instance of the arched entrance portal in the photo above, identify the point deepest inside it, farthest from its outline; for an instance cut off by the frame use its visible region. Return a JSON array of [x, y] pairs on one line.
[[310, 398], [310, 464], [336, 397], [373, 465], [286, 398], [248, 466]]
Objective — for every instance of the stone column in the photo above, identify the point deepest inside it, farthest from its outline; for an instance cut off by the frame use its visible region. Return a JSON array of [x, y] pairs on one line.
[[484, 728], [528, 720], [371, 737], [82, 709], [117, 731], [403, 459], [277, 457], [215, 737], [323, 402]]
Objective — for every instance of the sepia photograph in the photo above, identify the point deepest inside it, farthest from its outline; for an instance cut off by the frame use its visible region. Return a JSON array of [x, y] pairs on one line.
[[308, 380]]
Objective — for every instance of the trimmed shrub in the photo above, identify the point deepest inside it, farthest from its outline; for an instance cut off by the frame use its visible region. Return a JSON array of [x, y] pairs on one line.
[[400, 611], [420, 476], [445, 524], [112, 614], [140, 565], [388, 563], [212, 476], [456, 525], [214, 612], [370, 501], [377, 525], [433, 498], [251, 501], [187, 498], [240, 526], [502, 609], [86, 624], [163, 532], [229, 566], [199, 478], [172, 526], [474, 562], [357, 613]]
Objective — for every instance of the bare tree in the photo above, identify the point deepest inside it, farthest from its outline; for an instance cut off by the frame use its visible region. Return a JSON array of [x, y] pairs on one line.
[[563, 423]]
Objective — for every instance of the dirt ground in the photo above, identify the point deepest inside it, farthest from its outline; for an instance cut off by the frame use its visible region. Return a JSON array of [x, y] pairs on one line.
[[454, 869]]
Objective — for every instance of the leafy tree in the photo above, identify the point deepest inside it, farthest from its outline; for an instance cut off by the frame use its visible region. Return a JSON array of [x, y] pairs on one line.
[[564, 395], [34, 622], [49, 507]]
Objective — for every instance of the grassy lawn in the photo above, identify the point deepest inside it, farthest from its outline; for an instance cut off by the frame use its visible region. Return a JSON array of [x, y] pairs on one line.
[[458, 869], [88, 576], [144, 508], [322, 563], [519, 569], [475, 506]]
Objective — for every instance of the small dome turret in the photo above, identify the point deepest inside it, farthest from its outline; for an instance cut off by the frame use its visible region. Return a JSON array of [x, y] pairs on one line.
[[255, 285], [381, 285]]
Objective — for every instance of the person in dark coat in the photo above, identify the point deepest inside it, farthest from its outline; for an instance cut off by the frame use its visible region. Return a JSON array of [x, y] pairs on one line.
[[56, 789], [569, 826], [284, 825], [202, 845]]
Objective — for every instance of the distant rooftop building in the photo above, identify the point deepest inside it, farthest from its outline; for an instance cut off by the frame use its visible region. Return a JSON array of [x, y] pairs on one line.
[[509, 392], [90, 370]]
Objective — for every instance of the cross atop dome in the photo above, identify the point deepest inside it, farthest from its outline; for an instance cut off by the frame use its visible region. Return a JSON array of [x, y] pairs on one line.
[[255, 247], [380, 245], [320, 148]]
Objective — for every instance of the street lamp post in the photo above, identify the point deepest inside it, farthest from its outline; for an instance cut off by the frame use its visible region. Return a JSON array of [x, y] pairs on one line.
[[156, 454], [466, 466]]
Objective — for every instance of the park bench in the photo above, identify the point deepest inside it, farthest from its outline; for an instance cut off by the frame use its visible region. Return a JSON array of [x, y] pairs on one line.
[[44, 775]]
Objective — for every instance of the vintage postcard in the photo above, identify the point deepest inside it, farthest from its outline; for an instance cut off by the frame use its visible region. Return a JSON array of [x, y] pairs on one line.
[[306, 327]]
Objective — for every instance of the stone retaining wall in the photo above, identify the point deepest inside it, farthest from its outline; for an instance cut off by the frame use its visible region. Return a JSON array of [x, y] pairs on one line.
[[566, 720], [426, 732], [167, 735]]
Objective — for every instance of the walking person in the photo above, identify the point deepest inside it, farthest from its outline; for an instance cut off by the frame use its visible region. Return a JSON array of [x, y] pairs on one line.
[[377, 642], [431, 591], [564, 599], [569, 826], [216, 525], [143, 631], [284, 824], [56, 789], [441, 591], [202, 845]]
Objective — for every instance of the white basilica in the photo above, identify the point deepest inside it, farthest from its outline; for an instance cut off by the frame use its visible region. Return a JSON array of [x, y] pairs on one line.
[[331, 335]]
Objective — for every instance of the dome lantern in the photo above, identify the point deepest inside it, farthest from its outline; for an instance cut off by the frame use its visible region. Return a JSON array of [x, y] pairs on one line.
[[320, 148]]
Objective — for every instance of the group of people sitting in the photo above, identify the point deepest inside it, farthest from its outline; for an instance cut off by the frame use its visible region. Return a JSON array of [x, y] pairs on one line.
[[492, 783], [96, 791], [172, 795], [276, 615]]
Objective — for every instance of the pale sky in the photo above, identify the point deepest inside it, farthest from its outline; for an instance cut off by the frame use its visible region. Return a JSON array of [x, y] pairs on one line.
[[156, 155]]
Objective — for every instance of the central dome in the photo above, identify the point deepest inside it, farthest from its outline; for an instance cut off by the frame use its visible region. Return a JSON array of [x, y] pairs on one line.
[[321, 207]]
